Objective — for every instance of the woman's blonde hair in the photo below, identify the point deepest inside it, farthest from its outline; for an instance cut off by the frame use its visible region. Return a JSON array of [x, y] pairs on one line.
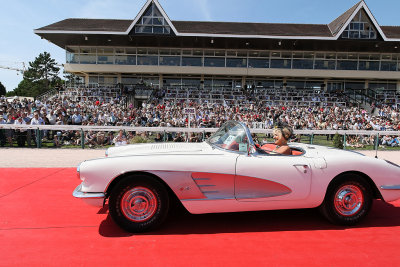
[[285, 131]]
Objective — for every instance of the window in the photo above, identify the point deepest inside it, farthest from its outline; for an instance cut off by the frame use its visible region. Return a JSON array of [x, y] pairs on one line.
[[388, 66], [125, 60], [72, 57], [214, 62], [258, 63], [147, 60], [369, 65], [302, 64], [105, 56], [192, 61], [236, 63], [281, 63], [360, 27], [324, 64], [152, 22], [170, 61], [346, 65]]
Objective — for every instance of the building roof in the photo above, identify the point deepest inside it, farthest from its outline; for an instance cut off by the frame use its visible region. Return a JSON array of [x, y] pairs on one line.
[[109, 25], [391, 31], [205, 27], [240, 28], [329, 31], [339, 22]]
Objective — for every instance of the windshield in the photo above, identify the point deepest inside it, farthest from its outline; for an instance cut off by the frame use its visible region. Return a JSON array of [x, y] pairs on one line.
[[231, 136]]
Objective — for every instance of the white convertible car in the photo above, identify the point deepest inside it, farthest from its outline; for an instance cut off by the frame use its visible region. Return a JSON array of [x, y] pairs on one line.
[[229, 173]]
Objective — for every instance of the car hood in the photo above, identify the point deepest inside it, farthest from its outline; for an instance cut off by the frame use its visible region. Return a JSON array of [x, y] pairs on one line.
[[159, 148]]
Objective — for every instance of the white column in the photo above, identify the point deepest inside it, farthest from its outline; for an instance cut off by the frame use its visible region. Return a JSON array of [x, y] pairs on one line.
[[86, 79], [326, 85], [161, 81]]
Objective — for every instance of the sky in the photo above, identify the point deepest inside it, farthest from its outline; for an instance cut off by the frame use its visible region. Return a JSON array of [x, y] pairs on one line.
[[18, 18]]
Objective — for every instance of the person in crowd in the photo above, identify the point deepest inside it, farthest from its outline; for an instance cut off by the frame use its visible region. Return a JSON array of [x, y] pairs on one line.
[[76, 118], [101, 138], [58, 139], [179, 137], [2, 132], [386, 140], [20, 133], [109, 139], [158, 138], [10, 132], [120, 139]]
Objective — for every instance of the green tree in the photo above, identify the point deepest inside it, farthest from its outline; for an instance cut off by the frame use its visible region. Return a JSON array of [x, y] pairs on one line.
[[41, 76], [3, 90], [71, 79], [338, 141]]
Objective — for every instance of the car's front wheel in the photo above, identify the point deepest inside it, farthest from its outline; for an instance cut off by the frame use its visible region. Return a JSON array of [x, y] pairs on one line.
[[139, 203], [347, 201]]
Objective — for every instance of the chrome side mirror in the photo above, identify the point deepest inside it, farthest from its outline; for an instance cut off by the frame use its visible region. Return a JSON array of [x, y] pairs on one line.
[[250, 149]]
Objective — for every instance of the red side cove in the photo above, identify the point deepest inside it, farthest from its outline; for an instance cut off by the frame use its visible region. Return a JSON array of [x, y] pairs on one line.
[[221, 186], [42, 224]]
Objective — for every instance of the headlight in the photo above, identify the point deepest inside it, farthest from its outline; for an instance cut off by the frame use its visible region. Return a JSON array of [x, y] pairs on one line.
[[392, 163]]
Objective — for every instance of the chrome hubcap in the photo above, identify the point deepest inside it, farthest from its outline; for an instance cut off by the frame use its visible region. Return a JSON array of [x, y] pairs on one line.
[[139, 204], [349, 200]]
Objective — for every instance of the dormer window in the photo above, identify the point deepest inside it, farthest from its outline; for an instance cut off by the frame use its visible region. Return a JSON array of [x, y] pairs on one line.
[[152, 22], [360, 27]]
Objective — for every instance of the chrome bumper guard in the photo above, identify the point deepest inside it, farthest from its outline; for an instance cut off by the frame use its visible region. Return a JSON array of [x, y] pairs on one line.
[[390, 187], [93, 199]]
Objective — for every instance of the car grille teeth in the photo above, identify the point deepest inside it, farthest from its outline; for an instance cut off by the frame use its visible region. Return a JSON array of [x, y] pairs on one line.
[[168, 146]]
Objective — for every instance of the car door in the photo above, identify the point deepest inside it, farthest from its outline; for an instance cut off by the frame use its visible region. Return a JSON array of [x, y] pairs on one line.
[[272, 177]]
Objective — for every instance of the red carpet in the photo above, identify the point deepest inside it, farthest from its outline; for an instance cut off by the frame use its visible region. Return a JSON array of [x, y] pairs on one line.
[[41, 224]]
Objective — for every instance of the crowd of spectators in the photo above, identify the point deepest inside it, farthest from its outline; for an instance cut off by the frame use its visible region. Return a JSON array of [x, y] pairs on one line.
[[67, 110]]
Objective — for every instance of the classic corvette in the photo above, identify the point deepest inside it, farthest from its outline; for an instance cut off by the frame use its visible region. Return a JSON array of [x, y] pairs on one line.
[[230, 173]]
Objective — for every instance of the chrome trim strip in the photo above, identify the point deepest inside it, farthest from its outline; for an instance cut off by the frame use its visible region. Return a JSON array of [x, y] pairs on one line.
[[204, 200], [390, 187], [210, 192], [79, 194], [206, 185], [201, 179]]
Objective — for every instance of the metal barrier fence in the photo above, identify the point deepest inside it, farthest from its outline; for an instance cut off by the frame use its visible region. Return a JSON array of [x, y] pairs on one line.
[[82, 129]]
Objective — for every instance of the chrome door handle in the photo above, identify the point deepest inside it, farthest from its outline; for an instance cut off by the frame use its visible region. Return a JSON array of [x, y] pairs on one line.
[[302, 165]]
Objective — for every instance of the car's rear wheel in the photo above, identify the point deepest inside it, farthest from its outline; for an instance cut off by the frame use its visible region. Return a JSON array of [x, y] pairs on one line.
[[139, 203], [348, 200]]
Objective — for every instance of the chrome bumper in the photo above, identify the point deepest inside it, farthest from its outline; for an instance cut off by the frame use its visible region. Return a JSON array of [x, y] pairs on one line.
[[390, 187], [93, 199]]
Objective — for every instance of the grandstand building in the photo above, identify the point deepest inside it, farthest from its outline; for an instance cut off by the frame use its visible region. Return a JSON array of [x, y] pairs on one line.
[[352, 54]]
